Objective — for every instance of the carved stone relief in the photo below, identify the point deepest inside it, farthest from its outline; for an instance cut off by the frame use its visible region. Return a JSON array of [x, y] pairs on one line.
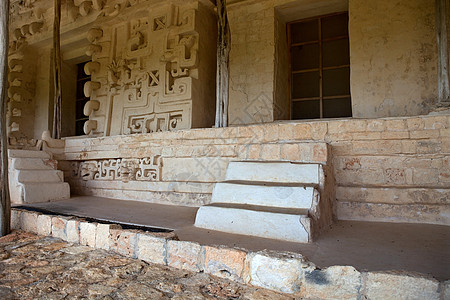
[[144, 82], [123, 169]]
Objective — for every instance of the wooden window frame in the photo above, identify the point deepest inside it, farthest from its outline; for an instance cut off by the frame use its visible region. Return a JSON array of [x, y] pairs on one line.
[[320, 69]]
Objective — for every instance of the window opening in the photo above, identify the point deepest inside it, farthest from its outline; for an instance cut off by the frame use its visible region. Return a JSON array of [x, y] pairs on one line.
[[320, 67], [81, 100]]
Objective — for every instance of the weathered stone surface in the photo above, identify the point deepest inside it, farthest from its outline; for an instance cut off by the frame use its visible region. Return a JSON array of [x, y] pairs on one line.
[[224, 262], [335, 282], [400, 286], [184, 255], [151, 249], [46, 268], [44, 225], [73, 231], [16, 221], [103, 236], [88, 233], [275, 273], [123, 242], [445, 286], [29, 221], [59, 227]]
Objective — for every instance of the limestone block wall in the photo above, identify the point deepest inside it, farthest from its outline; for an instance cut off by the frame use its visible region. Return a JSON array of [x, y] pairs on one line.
[[393, 169]]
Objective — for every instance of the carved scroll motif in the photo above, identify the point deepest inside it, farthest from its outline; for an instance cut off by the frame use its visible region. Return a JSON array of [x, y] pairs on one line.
[[123, 169]]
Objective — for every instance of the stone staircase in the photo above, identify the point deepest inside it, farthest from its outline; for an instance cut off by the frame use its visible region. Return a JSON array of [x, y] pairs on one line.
[[33, 177], [277, 200]]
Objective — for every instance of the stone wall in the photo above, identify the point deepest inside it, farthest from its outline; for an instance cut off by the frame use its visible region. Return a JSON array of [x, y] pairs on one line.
[[393, 57], [392, 49], [393, 169]]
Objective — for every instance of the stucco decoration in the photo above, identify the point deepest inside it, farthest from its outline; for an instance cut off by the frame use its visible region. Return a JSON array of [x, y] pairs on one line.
[[142, 70], [124, 169]]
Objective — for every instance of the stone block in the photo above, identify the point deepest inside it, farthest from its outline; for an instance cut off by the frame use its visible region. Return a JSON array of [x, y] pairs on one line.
[[290, 152], [336, 282], [375, 125], [73, 231], [184, 255], [425, 134], [415, 123], [16, 219], [274, 172], [445, 287], [103, 235], [395, 135], [320, 153], [395, 125], [270, 152], [400, 286], [273, 224], [302, 131], [224, 262], [254, 151], [124, 242], [44, 225], [319, 130], [88, 232], [382, 212], [59, 224], [279, 273], [438, 122], [29, 221], [151, 249], [263, 195]]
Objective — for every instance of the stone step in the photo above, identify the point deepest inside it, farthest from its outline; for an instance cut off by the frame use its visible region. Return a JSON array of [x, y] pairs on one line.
[[292, 225], [15, 153], [42, 192], [37, 176], [264, 195], [22, 163], [282, 172]]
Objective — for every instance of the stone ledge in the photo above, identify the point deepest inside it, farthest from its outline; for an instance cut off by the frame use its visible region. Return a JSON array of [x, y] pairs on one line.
[[279, 271]]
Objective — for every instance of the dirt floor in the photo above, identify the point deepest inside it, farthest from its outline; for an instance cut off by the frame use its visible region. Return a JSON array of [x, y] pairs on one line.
[[37, 267]]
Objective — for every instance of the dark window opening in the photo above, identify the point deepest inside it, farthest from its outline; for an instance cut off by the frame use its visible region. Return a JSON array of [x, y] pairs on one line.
[[81, 100], [320, 67]]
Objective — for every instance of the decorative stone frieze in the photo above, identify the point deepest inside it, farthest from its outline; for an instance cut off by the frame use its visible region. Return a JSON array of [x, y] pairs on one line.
[[144, 68], [125, 169]]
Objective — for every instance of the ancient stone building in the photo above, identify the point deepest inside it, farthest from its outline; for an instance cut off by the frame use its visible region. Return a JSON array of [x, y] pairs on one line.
[[345, 91]]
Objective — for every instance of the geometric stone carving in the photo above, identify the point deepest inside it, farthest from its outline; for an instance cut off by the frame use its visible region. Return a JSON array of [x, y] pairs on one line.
[[125, 169], [145, 66]]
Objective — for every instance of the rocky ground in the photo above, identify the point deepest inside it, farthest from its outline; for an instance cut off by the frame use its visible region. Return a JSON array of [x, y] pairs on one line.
[[37, 267]]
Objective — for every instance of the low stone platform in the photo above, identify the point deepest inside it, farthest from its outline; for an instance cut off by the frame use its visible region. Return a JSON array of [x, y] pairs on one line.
[[351, 260], [38, 267]]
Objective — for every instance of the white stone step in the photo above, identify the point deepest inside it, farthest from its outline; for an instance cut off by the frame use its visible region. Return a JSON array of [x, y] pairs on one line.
[[264, 195], [14, 153], [21, 163], [43, 192], [282, 172], [288, 225], [36, 176]]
